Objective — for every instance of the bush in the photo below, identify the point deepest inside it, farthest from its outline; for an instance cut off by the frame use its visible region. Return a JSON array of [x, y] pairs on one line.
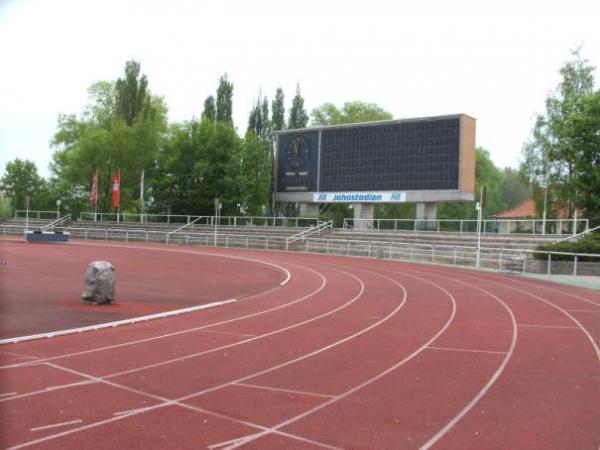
[[588, 244]]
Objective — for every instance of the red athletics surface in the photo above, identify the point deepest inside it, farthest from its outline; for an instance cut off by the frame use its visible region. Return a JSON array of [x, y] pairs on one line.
[[350, 353], [42, 284]]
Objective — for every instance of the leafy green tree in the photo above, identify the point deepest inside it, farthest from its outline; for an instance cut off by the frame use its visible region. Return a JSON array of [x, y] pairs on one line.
[[514, 188], [131, 93], [350, 112], [112, 133], [552, 152], [225, 100], [298, 116], [258, 120], [278, 111], [21, 180], [583, 129], [210, 110]]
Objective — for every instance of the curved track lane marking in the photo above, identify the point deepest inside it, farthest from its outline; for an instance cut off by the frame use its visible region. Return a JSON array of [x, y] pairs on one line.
[[243, 440], [548, 302], [204, 352], [188, 330], [179, 401], [50, 334], [483, 391]]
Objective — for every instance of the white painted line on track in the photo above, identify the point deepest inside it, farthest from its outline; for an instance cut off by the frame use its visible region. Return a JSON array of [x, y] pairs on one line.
[[117, 323], [175, 333], [565, 312], [558, 288], [179, 401], [165, 402], [56, 425], [286, 391], [547, 326], [246, 439], [437, 436], [223, 347], [584, 310], [50, 334], [8, 394], [466, 350]]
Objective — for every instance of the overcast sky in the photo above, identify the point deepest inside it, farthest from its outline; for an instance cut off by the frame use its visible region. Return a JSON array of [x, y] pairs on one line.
[[495, 61]]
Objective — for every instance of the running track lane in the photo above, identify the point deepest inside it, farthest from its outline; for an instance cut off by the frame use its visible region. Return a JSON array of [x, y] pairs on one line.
[[406, 385]]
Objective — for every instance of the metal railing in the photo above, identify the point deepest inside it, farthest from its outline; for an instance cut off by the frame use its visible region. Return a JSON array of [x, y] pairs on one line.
[[305, 233], [489, 226], [583, 233], [177, 230], [56, 223], [501, 259], [234, 221], [31, 214]]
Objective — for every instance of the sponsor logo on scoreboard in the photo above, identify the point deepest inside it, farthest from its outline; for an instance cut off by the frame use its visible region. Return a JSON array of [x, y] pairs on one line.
[[359, 197]]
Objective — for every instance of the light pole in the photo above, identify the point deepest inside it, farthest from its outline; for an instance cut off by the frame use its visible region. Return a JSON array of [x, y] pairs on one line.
[[58, 202], [218, 206]]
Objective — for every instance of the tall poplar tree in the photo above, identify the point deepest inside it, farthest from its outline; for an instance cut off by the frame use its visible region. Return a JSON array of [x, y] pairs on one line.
[[225, 100], [298, 116]]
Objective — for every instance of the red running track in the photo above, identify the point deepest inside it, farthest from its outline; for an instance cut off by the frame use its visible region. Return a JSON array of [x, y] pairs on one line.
[[350, 353]]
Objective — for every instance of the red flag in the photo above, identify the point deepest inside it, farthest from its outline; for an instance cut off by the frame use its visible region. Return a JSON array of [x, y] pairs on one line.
[[116, 188], [94, 191]]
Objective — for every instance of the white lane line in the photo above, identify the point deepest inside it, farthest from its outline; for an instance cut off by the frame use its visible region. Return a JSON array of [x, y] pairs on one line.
[[565, 312], [547, 326], [286, 391], [56, 425], [168, 402], [164, 403], [287, 273], [212, 350], [558, 288], [584, 310], [275, 428], [175, 333], [465, 350], [8, 394], [117, 323], [437, 436]]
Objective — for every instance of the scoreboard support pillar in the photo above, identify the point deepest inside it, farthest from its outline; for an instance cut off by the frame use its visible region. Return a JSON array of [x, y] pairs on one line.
[[426, 216], [309, 209], [363, 215]]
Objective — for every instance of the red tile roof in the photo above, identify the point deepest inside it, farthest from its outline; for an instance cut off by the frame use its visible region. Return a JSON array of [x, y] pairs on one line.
[[525, 209]]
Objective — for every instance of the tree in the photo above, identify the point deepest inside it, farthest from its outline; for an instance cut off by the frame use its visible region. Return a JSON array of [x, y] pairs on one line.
[[258, 120], [21, 180], [131, 93], [583, 130], [513, 188], [350, 112], [224, 100], [121, 128], [210, 110], [298, 117], [278, 111], [552, 152]]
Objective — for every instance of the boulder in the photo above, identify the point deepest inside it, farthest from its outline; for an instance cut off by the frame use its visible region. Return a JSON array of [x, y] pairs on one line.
[[100, 280]]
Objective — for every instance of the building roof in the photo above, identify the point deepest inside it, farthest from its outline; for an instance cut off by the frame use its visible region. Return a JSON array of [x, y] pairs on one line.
[[525, 209]]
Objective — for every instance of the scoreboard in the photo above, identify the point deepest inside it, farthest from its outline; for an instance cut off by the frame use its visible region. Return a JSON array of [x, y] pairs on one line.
[[426, 159]]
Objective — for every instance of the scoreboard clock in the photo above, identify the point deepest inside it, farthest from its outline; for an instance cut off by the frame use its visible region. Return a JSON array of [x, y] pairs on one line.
[[426, 159]]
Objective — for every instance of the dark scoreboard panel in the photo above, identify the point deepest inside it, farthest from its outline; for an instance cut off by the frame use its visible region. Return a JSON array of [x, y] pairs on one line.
[[403, 155]]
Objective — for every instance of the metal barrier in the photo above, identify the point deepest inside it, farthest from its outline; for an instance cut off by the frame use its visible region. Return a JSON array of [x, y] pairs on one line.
[[234, 221], [305, 233], [489, 226], [504, 259]]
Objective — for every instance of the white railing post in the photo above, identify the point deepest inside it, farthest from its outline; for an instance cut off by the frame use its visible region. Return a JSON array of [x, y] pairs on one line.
[[575, 266], [549, 263]]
